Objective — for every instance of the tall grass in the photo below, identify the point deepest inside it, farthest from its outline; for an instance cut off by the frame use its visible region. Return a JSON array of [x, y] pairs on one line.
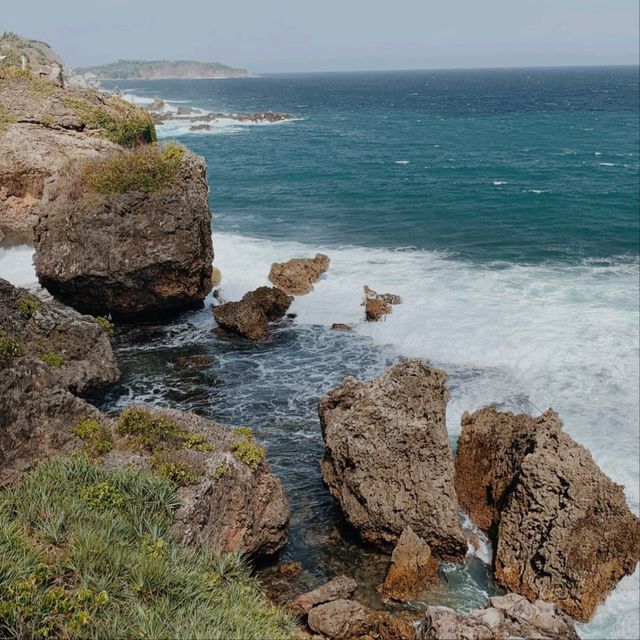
[[85, 552]]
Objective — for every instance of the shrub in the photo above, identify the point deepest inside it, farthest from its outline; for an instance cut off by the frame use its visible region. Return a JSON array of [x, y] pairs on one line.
[[97, 436], [52, 359], [85, 552], [9, 348], [105, 324], [249, 452], [28, 305], [181, 473], [148, 168], [247, 432]]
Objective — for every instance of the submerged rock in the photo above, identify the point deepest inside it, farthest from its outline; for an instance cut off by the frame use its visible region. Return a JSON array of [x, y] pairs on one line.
[[341, 587], [562, 529], [114, 247], [387, 457], [250, 316], [297, 276], [504, 617], [340, 326], [349, 620], [412, 569]]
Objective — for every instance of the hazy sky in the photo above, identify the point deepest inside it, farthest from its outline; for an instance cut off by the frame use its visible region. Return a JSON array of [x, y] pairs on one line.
[[299, 35]]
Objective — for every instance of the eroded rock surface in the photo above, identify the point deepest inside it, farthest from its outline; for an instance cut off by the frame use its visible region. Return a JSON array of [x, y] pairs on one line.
[[562, 529], [387, 457], [339, 588], [412, 569], [350, 620], [297, 276], [503, 618], [130, 254], [250, 316], [377, 305]]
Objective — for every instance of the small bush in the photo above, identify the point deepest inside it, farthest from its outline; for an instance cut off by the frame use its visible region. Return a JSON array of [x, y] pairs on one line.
[[103, 496], [105, 324], [181, 473], [9, 348], [247, 432], [97, 436], [148, 168], [196, 442], [52, 359], [249, 452], [28, 305], [221, 469]]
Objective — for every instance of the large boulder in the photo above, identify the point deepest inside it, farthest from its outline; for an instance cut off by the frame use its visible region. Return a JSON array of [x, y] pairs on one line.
[[43, 126], [502, 618], [250, 316], [562, 529], [48, 353], [349, 620], [377, 305], [298, 275], [413, 569], [387, 457], [339, 588], [128, 236]]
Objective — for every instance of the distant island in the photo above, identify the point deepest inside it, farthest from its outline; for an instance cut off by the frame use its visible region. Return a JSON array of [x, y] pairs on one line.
[[162, 70]]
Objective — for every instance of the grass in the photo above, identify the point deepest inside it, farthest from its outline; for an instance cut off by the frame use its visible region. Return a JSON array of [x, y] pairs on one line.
[[6, 119], [146, 168], [85, 553], [152, 432]]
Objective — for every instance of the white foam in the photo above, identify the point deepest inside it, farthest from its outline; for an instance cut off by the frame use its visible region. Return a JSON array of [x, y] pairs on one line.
[[499, 183], [606, 164], [16, 265], [402, 161]]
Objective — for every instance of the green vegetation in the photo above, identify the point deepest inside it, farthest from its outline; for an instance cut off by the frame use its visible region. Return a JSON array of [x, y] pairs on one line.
[[247, 432], [6, 119], [118, 121], [9, 348], [28, 305], [147, 168], [85, 553], [105, 324], [181, 473], [152, 432], [249, 452], [97, 436], [52, 359], [158, 69], [221, 469]]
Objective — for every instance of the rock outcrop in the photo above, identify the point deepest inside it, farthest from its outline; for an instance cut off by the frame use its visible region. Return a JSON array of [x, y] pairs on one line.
[[339, 588], [129, 236], [387, 457], [562, 530], [504, 617], [48, 353], [412, 569], [297, 276], [349, 620], [377, 305], [43, 126], [250, 317]]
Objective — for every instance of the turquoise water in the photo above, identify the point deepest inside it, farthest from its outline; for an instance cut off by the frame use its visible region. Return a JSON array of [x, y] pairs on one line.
[[501, 205]]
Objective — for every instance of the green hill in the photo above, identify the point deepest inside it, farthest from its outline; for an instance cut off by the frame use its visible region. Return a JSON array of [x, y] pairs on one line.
[[162, 70]]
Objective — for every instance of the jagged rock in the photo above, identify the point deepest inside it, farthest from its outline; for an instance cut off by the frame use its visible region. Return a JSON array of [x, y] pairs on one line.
[[157, 104], [562, 529], [340, 326], [130, 254], [216, 276], [377, 305], [233, 506], [412, 569], [387, 457], [339, 588], [349, 620], [250, 316], [297, 276], [47, 353], [503, 618]]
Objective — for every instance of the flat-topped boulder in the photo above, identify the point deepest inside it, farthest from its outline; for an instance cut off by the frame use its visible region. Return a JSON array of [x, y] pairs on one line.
[[339, 588], [250, 317], [562, 529], [298, 275], [129, 236], [503, 617], [387, 457]]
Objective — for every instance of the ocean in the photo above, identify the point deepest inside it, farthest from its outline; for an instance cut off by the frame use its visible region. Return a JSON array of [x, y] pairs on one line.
[[502, 205]]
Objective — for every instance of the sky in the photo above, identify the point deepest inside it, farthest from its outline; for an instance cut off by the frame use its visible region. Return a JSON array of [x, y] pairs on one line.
[[335, 35]]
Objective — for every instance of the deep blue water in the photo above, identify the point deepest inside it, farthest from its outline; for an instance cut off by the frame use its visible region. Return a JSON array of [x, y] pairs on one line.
[[522, 165]]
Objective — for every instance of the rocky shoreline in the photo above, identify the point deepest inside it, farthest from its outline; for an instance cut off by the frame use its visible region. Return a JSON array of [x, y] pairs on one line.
[[123, 232]]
